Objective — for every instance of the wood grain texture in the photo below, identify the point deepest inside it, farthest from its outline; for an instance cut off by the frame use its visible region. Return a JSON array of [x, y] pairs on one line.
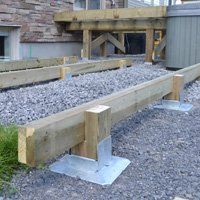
[[111, 14]]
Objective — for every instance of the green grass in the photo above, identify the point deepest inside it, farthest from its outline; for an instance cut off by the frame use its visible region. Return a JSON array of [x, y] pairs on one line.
[[8, 153]]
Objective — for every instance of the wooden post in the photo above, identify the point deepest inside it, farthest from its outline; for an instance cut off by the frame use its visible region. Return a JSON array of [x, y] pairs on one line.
[[64, 71], [178, 86], [122, 64], [162, 53], [121, 40], [97, 128], [149, 44], [87, 37], [103, 49]]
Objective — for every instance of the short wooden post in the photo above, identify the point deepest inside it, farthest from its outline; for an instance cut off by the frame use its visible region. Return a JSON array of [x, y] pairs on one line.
[[178, 86], [122, 64], [97, 128], [87, 39], [103, 49], [121, 40], [149, 44], [64, 71]]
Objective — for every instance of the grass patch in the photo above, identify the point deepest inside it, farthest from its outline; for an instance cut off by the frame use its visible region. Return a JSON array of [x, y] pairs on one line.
[[8, 154]]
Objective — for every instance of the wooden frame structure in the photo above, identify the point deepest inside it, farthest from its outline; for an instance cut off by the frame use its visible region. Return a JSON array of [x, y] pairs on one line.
[[34, 72], [46, 138], [111, 21]]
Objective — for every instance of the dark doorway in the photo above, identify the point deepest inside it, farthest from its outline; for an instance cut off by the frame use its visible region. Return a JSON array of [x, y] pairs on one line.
[[135, 43], [2, 46]]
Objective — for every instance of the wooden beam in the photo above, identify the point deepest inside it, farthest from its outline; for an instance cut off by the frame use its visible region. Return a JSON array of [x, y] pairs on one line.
[[96, 66], [46, 138], [87, 39], [116, 43], [119, 25], [160, 47], [103, 49], [122, 41], [97, 128], [178, 86], [149, 44], [111, 14], [35, 63], [53, 135], [99, 41], [24, 77]]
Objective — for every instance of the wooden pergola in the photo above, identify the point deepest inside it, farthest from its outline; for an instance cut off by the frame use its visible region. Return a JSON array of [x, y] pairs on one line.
[[110, 21]]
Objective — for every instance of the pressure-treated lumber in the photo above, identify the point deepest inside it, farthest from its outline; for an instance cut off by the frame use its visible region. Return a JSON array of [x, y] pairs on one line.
[[55, 134], [97, 128], [87, 39], [119, 25], [111, 14], [116, 43], [35, 63], [95, 66], [159, 49], [121, 39], [178, 86], [104, 49], [149, 44], [190, 73], [99, 41], [51, 136], [24, 77]]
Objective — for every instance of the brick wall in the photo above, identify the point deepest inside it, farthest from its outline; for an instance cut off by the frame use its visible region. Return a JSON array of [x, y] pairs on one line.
[[36, 18]]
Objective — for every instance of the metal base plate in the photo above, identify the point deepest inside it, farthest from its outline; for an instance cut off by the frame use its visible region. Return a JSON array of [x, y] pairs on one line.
[[103, 172], [174, 105], [88, 169]]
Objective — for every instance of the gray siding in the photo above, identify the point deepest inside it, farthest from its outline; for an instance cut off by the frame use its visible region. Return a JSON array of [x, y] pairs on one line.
[[183, 41]]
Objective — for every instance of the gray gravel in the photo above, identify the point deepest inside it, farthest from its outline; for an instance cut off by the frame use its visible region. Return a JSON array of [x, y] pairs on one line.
[[163, 147], [26, 104]]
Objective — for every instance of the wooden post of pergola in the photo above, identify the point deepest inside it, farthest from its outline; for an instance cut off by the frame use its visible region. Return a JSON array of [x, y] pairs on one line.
[[87, 39], [149, 44], [122, 41]]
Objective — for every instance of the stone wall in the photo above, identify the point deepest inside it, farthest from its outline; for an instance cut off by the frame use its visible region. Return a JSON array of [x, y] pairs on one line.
[[36, 18]]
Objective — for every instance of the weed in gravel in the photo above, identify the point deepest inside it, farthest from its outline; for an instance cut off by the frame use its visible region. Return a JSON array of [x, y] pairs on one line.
[[8, 154]]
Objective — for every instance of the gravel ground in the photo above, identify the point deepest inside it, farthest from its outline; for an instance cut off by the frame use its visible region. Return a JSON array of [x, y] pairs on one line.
[[163, 147], [26, 104]]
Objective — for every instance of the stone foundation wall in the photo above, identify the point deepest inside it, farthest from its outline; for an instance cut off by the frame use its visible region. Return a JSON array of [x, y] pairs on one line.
[[36, 19]]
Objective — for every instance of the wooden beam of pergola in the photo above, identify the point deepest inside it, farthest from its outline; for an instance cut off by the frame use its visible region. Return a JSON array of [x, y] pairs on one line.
[[120, 25], [107, 37], [111, 14]]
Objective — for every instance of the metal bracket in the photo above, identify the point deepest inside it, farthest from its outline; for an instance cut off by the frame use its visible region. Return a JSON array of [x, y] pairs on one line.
[[104, 171], [68, 76], [174, 105]]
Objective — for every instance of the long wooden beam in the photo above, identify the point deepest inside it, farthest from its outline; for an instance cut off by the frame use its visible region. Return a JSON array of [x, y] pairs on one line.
[[51, 136], [111, 14], [119, 25], [35, 63], [24, 77]]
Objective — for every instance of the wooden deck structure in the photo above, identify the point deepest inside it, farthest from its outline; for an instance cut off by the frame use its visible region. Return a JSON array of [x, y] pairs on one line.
[[113, 21]]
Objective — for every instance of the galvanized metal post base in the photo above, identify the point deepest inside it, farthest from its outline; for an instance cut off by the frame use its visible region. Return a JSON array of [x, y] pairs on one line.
[[103, 172], [68, 76], [174, 105]]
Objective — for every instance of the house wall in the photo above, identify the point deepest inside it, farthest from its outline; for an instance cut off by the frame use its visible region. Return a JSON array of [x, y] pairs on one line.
[[39, 36]]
